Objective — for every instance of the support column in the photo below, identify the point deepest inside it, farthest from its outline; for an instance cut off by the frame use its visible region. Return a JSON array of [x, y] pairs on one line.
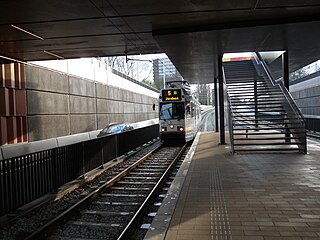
[[285, 75], [221, 100], [216, 110], [285, 69], [255, 86]]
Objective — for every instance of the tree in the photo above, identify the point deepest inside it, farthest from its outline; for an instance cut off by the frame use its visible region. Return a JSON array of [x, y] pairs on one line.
[[135, 68], [149, 83]]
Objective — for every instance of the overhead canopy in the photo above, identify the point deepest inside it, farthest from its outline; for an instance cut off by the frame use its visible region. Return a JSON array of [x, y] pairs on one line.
[[192, 33]]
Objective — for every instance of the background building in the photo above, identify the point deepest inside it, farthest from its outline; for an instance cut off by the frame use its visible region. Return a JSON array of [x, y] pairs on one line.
[[203, 94], [164, 71]]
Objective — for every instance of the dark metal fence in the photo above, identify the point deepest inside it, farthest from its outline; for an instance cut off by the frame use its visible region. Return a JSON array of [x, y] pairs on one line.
[[28, 177]]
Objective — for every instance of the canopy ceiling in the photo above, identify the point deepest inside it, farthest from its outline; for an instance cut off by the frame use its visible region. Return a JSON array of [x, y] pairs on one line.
[[192, 33]]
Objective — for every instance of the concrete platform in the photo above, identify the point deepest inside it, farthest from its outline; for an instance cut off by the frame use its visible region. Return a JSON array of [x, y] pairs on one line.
[[217, 195]]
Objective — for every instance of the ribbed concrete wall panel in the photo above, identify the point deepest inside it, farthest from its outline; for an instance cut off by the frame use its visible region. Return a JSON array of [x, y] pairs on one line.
[[121, 107], [102, 106], [120, 94], [307, 97], [46, 80], [128, 107], [309, 102], [152, 115], [137, 98], [82, 123], [144, 99], [115, 118], [115, 106], [140, 117], [46, 103], [102, 90], [79, 86], [103, 120], [138, 108], [86, 105], [128, 96], [47, 126], [153, 101], [115, 93]]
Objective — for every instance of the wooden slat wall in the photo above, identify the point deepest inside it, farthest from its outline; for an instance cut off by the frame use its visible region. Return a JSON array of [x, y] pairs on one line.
[[13, 112]]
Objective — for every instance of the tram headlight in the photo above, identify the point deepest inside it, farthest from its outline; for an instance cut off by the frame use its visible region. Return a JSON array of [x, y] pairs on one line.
[[180, 129], [171, 126], [163, 129]]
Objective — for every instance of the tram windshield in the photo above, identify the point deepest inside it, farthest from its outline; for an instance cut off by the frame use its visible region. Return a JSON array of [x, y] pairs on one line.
[[171, 111]]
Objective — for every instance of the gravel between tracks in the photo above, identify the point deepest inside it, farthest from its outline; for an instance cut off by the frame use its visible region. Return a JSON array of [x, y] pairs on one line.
[[25, 225]]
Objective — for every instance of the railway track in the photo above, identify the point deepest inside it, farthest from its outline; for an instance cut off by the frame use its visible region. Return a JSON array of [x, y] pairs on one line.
[[114, 210]]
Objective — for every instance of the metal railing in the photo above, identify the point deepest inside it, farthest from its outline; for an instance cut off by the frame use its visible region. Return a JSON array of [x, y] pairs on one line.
[[289, 104], [230, 113], [28, 177]]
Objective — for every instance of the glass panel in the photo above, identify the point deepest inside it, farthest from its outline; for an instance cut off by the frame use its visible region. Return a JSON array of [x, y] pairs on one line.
[[171, 111]]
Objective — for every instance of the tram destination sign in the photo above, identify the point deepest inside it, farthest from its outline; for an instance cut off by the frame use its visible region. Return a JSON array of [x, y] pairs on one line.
[[171, 95]]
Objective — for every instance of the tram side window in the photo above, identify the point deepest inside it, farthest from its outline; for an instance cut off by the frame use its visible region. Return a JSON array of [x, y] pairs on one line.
[[192, 109], [171, 111]]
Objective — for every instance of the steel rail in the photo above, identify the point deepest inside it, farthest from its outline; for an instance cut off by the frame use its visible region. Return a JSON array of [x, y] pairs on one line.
[[46, 229], [132, 225]]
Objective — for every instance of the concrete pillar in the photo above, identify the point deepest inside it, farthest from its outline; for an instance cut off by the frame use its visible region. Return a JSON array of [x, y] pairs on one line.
[[285, 75], [221, 100], [216, 109], [255, 101], [285, 69]]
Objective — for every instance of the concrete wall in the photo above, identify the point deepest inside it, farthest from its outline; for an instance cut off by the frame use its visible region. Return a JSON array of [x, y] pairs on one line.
[[306, 93], [59, 104], [307, 96]]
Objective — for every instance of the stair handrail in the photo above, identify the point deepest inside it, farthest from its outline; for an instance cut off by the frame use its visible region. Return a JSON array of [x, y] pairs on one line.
[[288, 97], [230, 112], [284, 90]]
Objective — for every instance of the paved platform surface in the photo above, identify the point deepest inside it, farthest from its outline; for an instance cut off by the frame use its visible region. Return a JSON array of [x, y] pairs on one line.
[[247, 196]]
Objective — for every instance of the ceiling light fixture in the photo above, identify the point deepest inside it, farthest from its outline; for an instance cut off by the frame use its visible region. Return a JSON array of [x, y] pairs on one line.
[[52, 54], [27, 32], [12, 59]]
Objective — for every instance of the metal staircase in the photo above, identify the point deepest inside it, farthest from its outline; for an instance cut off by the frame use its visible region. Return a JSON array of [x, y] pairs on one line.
[[262, 114]]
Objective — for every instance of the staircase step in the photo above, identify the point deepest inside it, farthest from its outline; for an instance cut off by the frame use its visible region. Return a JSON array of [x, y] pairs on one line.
[[262, 128], [238, 123], [264, 133], [259, 99], [259, 107], [245, 110], [267, 150], [270, 143], [264, 139], [251, 90], [268, 119], [259, 104]]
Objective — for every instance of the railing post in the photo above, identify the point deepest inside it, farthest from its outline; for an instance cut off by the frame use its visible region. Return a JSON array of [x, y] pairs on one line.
[[285, 75], [255, 86], [54, 166], [83, 161], [216, 110], [221, 100]]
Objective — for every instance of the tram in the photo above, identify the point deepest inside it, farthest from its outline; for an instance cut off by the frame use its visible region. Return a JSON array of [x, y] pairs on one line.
[[179, 113]]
